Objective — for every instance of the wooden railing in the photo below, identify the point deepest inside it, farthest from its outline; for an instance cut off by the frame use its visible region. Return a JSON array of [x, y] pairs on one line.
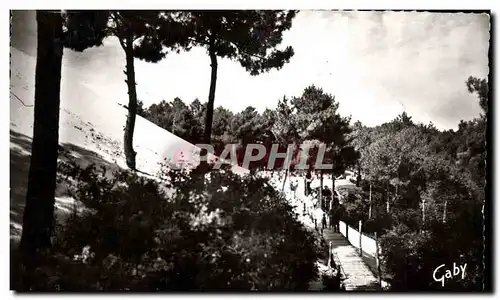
[[369, 248]]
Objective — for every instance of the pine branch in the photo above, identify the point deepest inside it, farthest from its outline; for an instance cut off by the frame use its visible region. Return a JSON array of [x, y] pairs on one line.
[[240, 50], [115, 30], [233, 43]]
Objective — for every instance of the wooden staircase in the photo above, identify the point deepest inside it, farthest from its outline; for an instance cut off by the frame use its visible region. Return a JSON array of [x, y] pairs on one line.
[[358, 276]]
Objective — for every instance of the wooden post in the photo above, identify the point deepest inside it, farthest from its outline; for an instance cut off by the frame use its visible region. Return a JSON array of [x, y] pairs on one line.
[[346, 231], [377, 259], [360, 247]]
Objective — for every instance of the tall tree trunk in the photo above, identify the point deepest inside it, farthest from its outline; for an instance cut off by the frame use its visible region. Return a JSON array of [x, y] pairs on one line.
[[203, 166], [423, 213], [396, 194], [387, 198], [321, 188], [358, 177], [305, 186], [39, 210], [334, 200], [132, 105], [370, 202], [211, 98], [333, 175], [173, 125], [333, 186], [284, 180], [377, 259], [444, 211]]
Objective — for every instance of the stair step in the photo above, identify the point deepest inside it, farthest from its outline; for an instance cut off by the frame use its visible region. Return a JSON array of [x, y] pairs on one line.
[[358, 275]]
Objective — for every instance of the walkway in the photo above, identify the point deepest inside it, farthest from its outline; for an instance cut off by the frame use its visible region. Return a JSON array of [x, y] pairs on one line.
[[358, 275]]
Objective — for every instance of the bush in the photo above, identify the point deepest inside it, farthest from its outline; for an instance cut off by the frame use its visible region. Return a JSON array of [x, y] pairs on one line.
[[220, 233], [410, 258]]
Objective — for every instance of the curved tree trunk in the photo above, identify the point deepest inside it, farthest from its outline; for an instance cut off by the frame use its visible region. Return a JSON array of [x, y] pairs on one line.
[[39, 210], [132, 106]]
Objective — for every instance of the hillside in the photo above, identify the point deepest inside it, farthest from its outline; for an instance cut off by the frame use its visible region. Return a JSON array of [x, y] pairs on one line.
[[91, 129]]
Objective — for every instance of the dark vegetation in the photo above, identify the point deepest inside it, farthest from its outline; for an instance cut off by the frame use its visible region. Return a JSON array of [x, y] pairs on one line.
[[138, 234]]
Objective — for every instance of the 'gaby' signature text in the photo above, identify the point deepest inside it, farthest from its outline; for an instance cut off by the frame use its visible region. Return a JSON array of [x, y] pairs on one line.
[[441, 274]]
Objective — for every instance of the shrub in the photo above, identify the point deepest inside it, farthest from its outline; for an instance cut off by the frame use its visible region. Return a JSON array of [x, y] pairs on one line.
[[184, 233]]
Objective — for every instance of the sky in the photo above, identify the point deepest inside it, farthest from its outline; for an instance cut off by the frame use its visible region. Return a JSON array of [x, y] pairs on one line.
[[376, 64]]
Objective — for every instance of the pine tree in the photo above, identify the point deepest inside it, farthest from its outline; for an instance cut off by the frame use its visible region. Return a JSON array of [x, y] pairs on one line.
[[39, 210], [318, 120], [284, 130], [250, 37], [146, 35]]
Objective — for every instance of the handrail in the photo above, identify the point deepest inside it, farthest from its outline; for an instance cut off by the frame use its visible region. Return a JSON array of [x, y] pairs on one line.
[[339, 265]]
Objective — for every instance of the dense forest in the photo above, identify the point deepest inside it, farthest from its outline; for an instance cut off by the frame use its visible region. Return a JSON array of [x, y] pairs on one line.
[[427, 186]]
